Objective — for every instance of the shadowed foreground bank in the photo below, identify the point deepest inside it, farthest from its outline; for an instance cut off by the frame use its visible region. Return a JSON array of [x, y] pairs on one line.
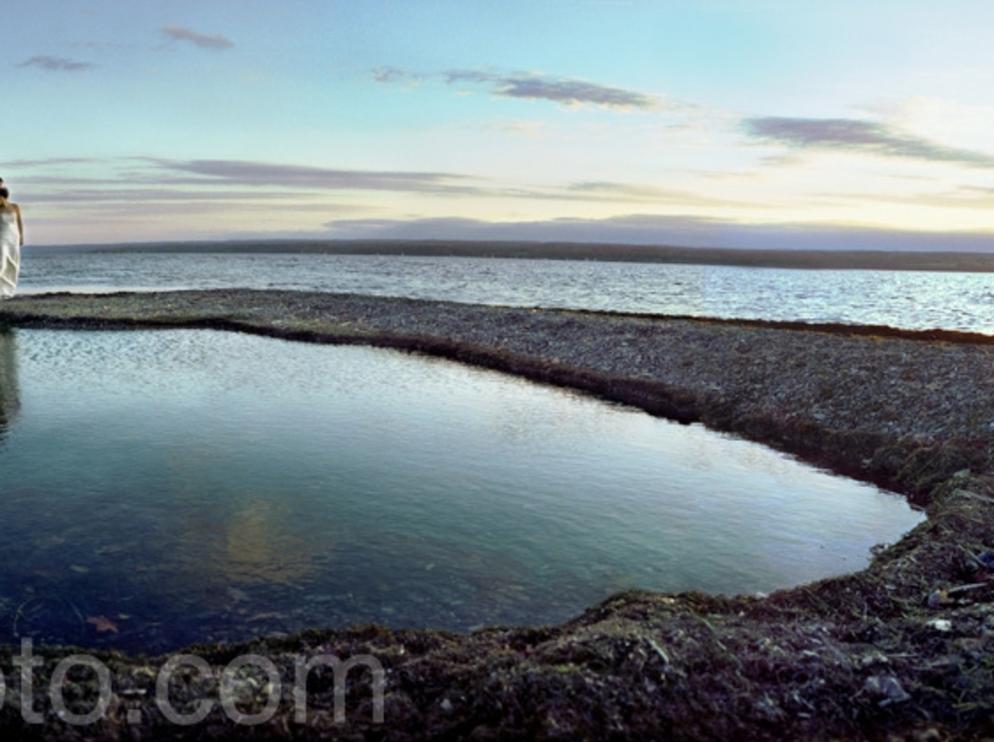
[[894, 649]]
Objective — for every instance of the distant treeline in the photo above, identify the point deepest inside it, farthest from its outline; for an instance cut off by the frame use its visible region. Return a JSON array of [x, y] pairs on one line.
[[807, 259]]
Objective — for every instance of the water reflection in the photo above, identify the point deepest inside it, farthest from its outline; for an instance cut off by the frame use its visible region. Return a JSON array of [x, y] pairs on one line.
[[255, 543], [10, 398], [191, 486]]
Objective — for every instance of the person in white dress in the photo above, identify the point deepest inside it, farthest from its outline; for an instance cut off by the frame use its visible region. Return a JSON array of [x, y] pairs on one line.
[[11, 242]]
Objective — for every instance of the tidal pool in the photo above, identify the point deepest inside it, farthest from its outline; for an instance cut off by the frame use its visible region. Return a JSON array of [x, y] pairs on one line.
[[159, 488]]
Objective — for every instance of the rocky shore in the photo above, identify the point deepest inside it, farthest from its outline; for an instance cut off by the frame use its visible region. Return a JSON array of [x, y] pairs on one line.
[[904, 648]]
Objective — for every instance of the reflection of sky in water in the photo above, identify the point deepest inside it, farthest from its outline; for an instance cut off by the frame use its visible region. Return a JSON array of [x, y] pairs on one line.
[[963, 301], [191, 485]]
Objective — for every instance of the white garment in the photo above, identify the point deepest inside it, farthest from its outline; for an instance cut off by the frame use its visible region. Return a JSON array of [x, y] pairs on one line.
[[10, 254]]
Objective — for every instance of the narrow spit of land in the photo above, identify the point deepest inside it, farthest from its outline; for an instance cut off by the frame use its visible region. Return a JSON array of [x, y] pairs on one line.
[[894, 260], [893, 650]]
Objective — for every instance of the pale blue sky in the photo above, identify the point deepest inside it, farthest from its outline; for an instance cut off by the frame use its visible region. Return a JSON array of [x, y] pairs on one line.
[[216, 118]]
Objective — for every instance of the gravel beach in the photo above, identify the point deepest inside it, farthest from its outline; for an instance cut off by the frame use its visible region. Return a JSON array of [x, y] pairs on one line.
[[895, 650]]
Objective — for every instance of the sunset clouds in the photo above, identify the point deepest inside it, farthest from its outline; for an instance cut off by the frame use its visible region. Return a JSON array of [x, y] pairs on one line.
[[183, 119]]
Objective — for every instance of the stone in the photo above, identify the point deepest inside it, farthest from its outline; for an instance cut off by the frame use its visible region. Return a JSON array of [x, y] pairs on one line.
[[887, 688]]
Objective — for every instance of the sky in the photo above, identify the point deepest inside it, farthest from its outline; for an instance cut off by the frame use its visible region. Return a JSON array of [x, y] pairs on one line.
[[743, 124]]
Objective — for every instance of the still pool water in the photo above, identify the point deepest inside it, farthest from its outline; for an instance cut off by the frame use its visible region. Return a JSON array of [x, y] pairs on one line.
[[162, 488]]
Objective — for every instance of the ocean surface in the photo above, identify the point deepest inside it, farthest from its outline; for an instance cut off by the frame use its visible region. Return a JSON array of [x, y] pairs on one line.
[[161, 488], [905, 299]]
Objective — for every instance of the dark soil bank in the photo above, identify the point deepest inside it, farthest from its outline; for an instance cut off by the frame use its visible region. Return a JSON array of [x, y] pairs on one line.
[[903, 649]]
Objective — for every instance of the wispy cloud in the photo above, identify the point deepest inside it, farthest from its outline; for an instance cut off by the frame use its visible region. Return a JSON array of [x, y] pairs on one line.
[[527, 85], [145, 170], [962, 197], [612, 191], [562, 90], [91, 196], [858, 135], [139, 173], [204, 41], [221, 211], [55, 64], [388, 74], [44, 162], [253, 173], [597, 191]]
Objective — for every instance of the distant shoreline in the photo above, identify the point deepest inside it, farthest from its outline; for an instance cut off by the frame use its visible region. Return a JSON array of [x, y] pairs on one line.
[[970, 262]]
